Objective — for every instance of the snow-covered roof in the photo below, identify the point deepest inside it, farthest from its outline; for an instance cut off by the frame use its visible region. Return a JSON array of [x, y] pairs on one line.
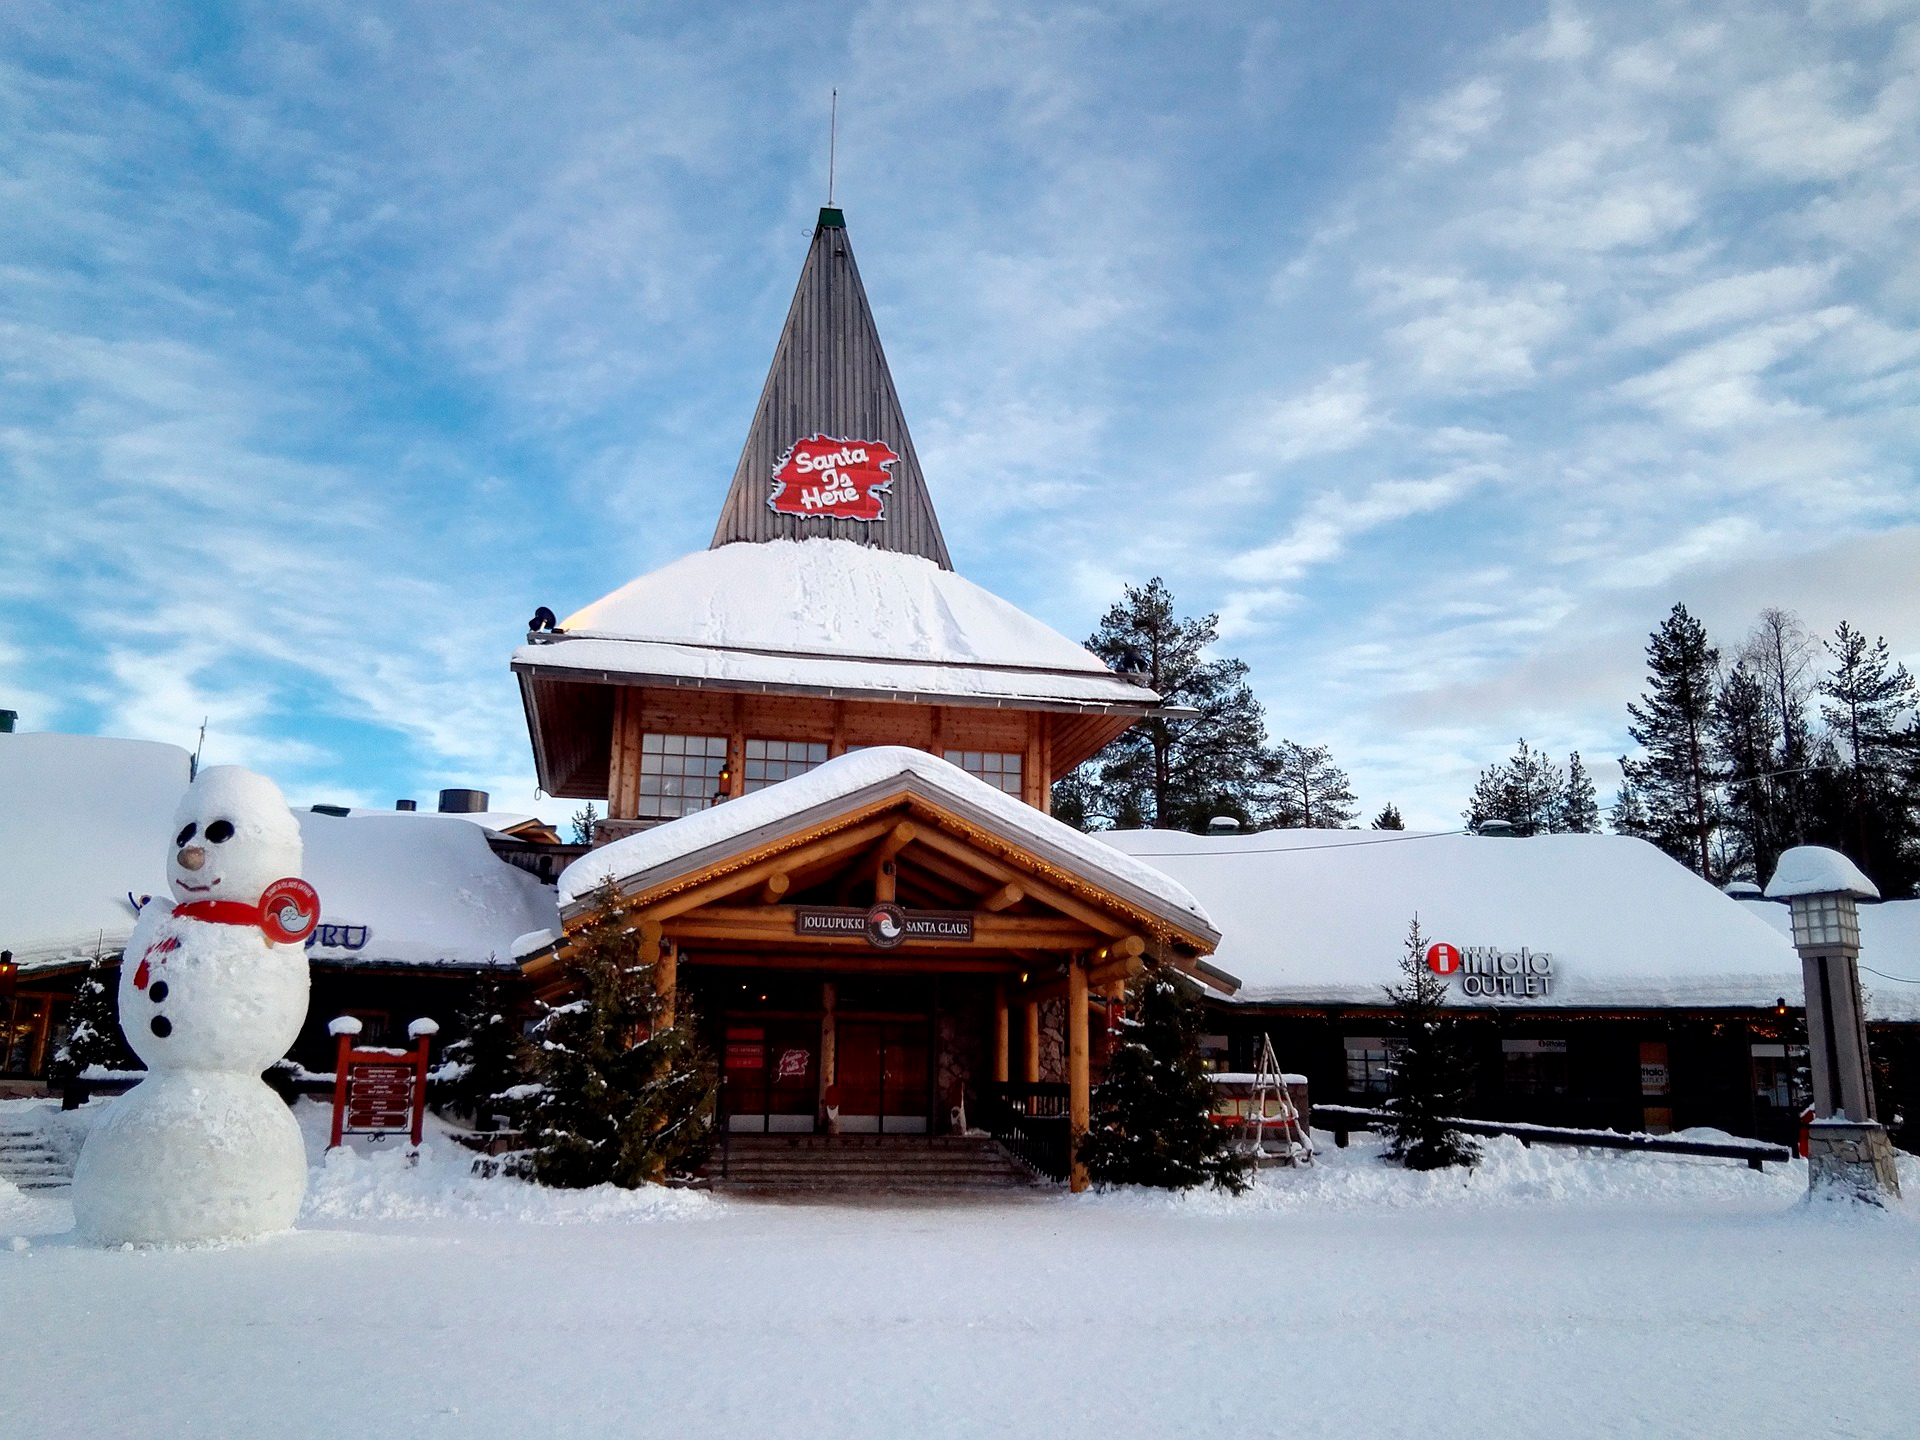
[[1320, 916], [1816, 870], [416, 889], [850, 780], [830, 615], [83, 821], [500, 822], [1889, 952]]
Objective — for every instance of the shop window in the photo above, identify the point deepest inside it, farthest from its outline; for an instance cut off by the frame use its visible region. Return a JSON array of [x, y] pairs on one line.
[[1535, 1067], [679, 774], [1370, 1065], [1000, 770], [374, 1025], [771, 761], [1780, 1077]]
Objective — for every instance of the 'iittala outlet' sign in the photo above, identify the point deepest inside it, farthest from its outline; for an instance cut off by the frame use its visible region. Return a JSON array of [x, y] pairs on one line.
[[1485, 972]]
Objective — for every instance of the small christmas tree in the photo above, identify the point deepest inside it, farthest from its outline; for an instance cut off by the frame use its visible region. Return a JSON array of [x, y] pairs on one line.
[[621, 1098], [490, 1054], [93, 1034], [1152, 1117], [1429, 1072]]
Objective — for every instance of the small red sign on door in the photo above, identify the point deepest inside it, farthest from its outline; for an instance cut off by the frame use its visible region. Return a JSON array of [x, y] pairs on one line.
[[828, 476], [1442, 958]]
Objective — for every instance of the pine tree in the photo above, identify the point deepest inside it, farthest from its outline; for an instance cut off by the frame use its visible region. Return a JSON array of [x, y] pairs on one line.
[[1870, 807], [1430, 1072], [1675, 781], [1152, 1116], [586, 824], [1306, 790], [1628, 815], [93, 1032], [1388, 818], [490, 1053], [1745, 745], [1169, 773], [1579, 807], [621, 1098], [1527, 791]]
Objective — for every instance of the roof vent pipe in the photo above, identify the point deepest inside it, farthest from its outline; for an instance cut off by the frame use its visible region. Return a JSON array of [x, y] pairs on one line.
[[463, 802], [406, 804], [1223, 825]]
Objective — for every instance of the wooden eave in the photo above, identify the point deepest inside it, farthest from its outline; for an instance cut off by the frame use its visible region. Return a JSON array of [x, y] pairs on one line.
[[1041, 906]]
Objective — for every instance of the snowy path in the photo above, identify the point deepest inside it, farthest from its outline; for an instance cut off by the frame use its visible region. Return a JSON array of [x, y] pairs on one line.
[[1349, 1312]]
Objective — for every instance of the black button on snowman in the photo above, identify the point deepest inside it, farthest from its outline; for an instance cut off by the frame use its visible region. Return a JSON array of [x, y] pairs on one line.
[[201, 1149]]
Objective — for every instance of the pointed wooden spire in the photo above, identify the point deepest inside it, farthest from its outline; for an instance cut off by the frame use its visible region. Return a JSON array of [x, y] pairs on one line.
[[829, 442]]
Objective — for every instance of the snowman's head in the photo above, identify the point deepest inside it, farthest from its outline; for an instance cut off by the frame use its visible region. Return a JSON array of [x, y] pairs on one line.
[[232, 837]]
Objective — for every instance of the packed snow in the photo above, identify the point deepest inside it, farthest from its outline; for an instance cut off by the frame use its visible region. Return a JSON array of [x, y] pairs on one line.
[[855, 774], [1816, 870], [1573, 1291], [833, 615], [1320, 916], [82, 821]]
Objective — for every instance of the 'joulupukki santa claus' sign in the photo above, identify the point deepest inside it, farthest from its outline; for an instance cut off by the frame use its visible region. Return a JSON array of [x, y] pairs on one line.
[[827, 475]]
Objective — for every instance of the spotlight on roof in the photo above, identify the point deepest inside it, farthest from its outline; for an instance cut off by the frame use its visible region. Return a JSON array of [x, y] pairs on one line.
[[542, 623]]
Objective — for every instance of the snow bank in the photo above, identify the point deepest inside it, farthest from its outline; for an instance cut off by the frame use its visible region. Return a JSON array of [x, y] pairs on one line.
[[416, 889], [367, 1182], [1509, 1176], [849, 775], [86, 819], [1320, 916]]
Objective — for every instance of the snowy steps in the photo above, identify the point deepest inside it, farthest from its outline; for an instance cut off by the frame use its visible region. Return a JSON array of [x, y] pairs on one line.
[[28, 1162], [866, 1164]]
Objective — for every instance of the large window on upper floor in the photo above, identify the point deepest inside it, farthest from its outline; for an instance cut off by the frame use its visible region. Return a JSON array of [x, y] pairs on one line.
[[771, 761], [679, 774], [998, 768]]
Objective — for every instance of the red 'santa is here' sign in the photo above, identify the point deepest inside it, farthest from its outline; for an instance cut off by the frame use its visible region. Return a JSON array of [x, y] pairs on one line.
[[826, 475]]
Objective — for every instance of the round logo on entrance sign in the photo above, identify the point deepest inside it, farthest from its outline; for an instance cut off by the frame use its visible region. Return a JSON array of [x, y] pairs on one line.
[[289, 909], [1442, 958], [886, 926]]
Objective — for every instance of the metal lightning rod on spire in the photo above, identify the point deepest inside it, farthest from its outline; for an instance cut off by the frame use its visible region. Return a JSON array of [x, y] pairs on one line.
[[833, 140]]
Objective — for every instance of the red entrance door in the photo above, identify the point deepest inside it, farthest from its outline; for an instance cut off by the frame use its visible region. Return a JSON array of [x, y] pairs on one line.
[[881, 1068]]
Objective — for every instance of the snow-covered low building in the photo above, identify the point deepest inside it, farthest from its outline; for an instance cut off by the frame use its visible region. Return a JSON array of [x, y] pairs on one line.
[[413, 905], [1605, 983]]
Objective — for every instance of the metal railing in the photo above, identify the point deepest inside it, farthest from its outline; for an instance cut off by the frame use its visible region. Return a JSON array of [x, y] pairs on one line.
[[1343, 1119], [1031, 1122]]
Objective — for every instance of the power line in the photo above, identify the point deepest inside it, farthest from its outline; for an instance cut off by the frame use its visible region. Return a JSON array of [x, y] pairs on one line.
[[1903, 979]]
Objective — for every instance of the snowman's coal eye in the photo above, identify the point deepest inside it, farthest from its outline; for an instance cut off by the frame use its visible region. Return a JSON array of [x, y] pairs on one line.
[[184, 836], [220, 832]]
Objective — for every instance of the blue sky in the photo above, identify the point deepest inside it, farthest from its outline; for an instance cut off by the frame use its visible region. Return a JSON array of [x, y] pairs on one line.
[[1439, 348]]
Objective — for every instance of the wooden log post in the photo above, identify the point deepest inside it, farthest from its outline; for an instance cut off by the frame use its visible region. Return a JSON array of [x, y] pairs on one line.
[[666, 982], [1032, 1052], [829, 1058], [1000, 1056], [1079, 1089]]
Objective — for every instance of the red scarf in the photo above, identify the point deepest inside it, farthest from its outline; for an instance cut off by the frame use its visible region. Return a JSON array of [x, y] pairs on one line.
[[220, 912]]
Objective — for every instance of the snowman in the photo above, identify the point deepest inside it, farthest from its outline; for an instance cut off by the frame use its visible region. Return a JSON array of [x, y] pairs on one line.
[[213, 989]]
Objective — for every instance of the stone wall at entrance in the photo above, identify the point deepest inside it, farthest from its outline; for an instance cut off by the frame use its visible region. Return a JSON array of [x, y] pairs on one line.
[[1053, 1042]]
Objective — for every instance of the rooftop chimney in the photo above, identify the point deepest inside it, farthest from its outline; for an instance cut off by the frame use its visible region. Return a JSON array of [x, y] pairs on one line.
[[407, 805], [463, 802]]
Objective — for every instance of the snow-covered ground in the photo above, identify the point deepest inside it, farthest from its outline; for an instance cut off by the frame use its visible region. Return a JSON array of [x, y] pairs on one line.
[[1549, 1292]]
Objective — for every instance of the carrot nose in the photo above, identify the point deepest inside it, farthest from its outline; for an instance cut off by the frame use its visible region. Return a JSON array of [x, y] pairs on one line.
[[192, 858]]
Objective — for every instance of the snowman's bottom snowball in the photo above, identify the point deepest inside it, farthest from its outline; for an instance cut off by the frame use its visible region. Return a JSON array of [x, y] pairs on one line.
[[189, 1156]]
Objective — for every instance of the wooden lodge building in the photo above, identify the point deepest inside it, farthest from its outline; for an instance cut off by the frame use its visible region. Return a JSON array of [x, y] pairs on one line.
[[826, 760]]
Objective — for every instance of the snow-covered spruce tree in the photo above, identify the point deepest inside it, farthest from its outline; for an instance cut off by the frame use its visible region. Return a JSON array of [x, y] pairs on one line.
[[1579, 806], [491, 1053], [1677, 781], [620, 1098], [1152, 1115], [93, 1032], [1171, 773], [1388, 818], [1430, 1072]]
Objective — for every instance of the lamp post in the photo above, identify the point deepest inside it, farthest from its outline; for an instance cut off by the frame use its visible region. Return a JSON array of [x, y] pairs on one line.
[[1848, 1152]]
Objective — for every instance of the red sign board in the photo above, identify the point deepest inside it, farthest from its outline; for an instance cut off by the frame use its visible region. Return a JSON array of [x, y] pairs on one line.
[[829, 476], [1442, 958], [376, 1092]]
